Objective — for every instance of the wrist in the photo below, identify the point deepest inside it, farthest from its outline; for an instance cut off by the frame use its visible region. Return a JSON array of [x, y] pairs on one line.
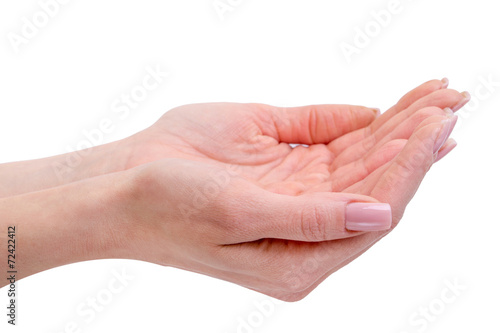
[[92, 162], [67, 224], [28, 176]]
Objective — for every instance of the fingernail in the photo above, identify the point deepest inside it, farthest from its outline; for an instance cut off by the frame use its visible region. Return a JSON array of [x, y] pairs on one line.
[[453, 123], [362, 216], [443, 135], [466, 98], [448, 146], [446, 82], [449, 112], [377, 111]]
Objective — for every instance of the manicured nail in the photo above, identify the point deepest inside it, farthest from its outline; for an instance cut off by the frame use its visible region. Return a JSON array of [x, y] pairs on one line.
[[362, 216], [466, 98], [443, 135], [446, 82]]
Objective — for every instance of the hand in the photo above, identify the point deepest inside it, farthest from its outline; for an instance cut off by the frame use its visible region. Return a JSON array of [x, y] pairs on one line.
[[255, 138], [235, 201], [268, 212]]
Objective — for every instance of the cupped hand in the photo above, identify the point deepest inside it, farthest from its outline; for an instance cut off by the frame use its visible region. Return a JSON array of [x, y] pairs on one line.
[[219, 190]]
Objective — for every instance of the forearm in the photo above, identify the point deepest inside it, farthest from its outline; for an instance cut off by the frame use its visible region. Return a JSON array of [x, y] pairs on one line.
[[76, 222], [35, 175]]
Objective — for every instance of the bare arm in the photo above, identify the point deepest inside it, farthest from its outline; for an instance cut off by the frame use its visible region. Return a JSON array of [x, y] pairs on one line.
[[35, 175], [62, 225]]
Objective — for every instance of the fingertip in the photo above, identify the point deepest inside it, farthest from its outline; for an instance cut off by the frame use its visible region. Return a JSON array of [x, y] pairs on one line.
[[445, 82], [446, 149], [465, 98], [376, 111]]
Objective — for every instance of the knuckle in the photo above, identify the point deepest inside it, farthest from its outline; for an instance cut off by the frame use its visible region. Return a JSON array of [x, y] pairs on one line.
[[313, 221], [406, 168], [368, 142]]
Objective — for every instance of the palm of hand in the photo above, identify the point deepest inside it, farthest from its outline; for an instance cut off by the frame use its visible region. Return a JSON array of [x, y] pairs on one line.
[[350, 150], [244, 137]]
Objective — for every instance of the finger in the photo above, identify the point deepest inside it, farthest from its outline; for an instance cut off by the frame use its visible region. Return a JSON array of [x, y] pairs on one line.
[[425, 143], [408, 99], [446, 98], [354, 172], [402, 179], [311, 217], [402, 130], [366, 185], [447, 148], [312, 124], [439, 99]]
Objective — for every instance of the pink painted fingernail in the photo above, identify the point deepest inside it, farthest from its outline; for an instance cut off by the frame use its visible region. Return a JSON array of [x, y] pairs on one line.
[[362, 216], [377, 111], [466, 98], [446, 82]]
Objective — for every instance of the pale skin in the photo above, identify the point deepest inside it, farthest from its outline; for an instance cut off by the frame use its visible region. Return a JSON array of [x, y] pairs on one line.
[[217, 189]]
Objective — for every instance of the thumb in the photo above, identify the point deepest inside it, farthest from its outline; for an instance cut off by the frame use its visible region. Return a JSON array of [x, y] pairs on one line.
[[317, 217]]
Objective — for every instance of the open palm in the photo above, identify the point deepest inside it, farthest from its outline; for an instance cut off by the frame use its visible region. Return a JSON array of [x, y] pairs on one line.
[[342, 148], [348, 149]]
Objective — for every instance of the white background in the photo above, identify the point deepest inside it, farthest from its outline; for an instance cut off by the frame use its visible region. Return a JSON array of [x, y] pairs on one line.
[[282, 52]]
